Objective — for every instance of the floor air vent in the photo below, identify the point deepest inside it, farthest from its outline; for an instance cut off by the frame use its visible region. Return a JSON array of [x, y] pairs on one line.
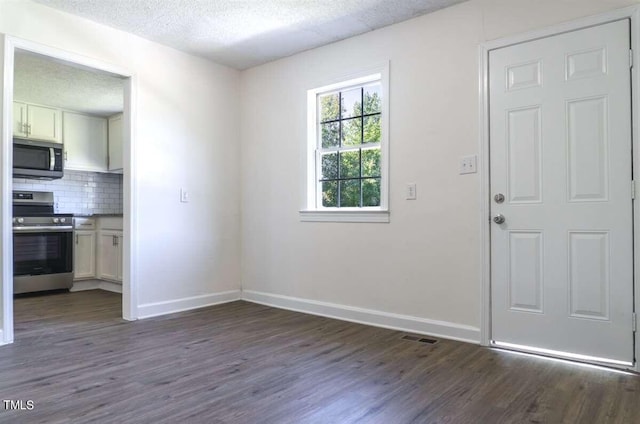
[[420, 339]]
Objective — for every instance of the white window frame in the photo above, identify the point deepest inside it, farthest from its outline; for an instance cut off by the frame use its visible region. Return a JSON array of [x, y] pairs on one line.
[[311, 209]]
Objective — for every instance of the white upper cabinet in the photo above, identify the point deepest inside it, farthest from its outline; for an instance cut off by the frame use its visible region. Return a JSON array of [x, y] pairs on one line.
[[91, 143], [44, 123], [115, 143], [37, 122], [19, 119], [85, 142]]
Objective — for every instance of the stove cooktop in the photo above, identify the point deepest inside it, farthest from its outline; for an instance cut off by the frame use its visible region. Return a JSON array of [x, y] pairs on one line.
[[45, 214]]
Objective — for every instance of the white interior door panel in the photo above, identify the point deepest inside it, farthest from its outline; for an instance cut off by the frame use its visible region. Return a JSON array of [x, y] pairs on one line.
[[560, 154]]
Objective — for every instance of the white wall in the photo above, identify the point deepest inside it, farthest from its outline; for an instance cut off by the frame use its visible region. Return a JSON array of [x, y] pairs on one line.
[[426, 262], [187, 136], [5, 211]]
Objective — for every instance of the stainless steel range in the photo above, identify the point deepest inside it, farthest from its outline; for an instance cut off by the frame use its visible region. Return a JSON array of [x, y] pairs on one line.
[[42, 244]]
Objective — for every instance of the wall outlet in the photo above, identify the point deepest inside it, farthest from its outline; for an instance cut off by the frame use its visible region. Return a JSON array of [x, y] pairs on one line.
[[468, 164], [184, 195], [411, 191]]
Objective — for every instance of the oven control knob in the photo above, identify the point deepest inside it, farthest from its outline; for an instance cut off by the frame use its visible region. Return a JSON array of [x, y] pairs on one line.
[[63, 220], [20, 220], [55, 220]]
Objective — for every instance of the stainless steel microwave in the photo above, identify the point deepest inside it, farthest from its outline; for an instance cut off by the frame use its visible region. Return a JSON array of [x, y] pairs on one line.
[[37, 159]]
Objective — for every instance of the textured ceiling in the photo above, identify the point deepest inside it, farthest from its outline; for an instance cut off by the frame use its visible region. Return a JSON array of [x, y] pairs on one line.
[[246, 33], [42, 80]]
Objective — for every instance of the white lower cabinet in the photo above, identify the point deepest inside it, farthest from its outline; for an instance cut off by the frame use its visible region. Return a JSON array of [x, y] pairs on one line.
[[110, 255], [98, 249], [84, 255]]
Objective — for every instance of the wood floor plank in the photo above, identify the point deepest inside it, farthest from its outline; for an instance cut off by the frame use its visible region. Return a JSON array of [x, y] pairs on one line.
[[246, 363]]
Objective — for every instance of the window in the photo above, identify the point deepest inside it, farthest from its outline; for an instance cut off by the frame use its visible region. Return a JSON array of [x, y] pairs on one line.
[[347, 151]]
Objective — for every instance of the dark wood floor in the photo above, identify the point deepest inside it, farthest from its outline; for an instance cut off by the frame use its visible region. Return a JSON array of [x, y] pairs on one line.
[[246, 363]]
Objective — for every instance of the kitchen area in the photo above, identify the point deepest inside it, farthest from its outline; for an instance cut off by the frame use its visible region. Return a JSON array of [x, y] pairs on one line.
[[67, 177]]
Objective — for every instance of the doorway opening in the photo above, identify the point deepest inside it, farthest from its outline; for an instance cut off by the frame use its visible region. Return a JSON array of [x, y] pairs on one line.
[[82, 110]]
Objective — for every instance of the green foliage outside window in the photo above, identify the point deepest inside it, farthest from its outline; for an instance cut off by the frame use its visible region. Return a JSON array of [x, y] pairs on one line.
[[350, 137]]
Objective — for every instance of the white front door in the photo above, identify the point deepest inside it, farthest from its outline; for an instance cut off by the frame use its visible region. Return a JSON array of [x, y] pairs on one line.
[[560, 154]]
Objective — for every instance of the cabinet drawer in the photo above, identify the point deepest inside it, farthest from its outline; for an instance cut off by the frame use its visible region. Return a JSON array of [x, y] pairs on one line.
[[111, 223], [84, 223]]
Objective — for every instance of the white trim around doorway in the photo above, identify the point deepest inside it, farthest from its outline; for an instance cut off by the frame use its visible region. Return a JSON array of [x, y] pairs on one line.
[[129, 287], [632, 13]]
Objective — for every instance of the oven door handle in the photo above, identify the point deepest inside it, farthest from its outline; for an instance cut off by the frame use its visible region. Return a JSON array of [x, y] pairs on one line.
[[47, 229]]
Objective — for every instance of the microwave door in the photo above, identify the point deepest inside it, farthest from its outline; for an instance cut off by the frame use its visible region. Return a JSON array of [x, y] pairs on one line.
[[37, 159]]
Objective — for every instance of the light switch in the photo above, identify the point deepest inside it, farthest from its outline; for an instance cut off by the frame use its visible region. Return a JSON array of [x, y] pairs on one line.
[[184, 195], [411, 191], [468, 164]]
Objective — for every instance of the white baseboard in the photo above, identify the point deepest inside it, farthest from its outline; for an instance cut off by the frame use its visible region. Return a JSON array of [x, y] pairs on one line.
[[406, 323], [95, 285], [85, 285], [149, 310], [109, 286], [3, 341]]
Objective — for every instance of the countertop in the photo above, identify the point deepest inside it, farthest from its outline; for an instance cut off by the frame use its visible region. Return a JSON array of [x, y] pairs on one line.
[[97, 215]]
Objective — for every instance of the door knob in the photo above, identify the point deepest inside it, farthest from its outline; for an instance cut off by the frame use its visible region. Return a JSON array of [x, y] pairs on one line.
[[498, 219]]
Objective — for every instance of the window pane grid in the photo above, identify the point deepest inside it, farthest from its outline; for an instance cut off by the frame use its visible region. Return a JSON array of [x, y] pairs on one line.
[[348, 179], [366, 115], [365, 147], [334, 166], [353, 115]]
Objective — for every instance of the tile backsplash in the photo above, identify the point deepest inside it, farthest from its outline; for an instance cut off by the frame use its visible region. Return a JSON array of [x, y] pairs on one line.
[[79, 192]]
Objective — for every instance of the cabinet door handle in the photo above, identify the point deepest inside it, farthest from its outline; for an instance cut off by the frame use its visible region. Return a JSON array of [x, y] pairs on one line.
[[76, 239], [113, 240], [66, 155]]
